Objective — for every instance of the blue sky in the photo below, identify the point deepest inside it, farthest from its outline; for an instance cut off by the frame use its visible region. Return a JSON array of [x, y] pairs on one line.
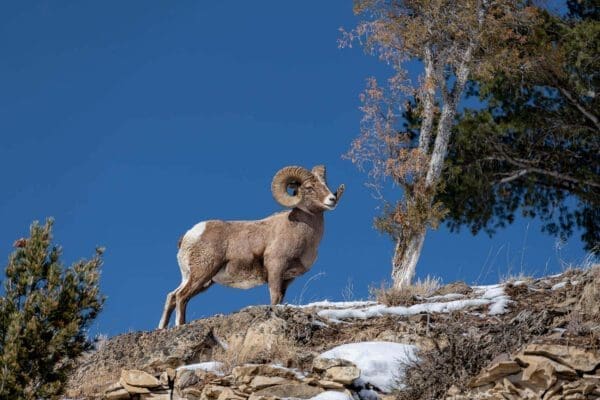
[[128, 122]]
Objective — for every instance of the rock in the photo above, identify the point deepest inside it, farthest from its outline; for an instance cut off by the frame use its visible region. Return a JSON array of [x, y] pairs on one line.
[[259, 381], [245, 373], [133, 389], [346, 374], [164, 379], [538, 362], [583, 387], [185, 378], [321, 364], [116, 391], [495, 372], [574, 357], [171, 373], [139, 378], [311, 380], [330, 384], [160, 395], [192, 394], [262, 336], [214, 392], [254, 396], [299, 390], [117, 394]]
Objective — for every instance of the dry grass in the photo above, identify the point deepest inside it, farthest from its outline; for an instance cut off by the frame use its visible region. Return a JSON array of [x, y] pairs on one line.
[[406, 296], [282, 351], [520, 277]]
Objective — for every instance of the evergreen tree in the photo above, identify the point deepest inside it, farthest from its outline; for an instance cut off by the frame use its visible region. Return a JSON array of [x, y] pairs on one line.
[[44, 312], [535, 147]]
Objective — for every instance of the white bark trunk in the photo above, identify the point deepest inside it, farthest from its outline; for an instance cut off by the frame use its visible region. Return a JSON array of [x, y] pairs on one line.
[[408, 249], [406, 256], [444, 128], [428, 103]]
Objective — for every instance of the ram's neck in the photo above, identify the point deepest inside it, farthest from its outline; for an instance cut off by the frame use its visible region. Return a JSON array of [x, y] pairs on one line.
[[314, 220]]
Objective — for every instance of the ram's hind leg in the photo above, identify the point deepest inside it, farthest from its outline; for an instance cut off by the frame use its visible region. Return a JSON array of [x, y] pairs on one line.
[[171, 301], [186, 291]]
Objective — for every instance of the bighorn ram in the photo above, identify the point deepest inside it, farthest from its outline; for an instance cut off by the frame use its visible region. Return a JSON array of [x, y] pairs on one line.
[[244, 254]]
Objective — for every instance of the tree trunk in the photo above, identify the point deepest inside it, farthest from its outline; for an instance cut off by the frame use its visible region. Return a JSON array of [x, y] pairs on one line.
[[428, 102], [406, 255], [408, 249]]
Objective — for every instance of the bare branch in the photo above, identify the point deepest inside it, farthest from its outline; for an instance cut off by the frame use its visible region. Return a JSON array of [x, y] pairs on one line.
[[515, 176], [580, 107]]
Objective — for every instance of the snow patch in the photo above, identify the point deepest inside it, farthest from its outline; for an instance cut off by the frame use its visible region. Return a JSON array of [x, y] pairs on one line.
[[492, 295], [329, 395], [215, 367], [334, 304], [559, 285], [381, 364], [381, 310]]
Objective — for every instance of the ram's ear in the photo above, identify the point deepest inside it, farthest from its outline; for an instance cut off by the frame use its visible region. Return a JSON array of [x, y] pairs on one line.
[[339, 192], [319, 172]]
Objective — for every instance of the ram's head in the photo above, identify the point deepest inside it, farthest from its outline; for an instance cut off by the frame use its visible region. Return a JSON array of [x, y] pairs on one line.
[[298, 187]]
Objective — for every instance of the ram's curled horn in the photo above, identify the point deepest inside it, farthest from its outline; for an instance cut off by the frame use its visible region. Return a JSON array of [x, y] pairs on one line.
[[286, 177], [319, 172]]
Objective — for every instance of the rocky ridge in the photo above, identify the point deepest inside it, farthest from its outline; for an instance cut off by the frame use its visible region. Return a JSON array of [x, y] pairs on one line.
[[538, 338]]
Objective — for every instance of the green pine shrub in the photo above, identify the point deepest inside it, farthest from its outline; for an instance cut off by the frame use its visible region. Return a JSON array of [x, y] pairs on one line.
[[45, 310]]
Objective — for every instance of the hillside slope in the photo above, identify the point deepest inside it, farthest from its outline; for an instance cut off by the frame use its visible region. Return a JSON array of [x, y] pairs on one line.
[[523, 339]]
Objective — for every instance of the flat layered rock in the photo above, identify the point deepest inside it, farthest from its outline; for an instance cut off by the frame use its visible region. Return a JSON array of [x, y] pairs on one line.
[[300, 391], [495, 372], [134, 377], [574, 357]]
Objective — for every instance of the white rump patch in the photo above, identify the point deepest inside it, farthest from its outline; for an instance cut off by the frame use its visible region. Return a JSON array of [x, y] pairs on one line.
[[195, 233], [183, 254]]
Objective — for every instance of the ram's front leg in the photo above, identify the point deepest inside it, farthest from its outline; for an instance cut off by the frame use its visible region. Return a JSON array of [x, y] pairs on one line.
[[275, 278], [276, 287], [277, 290]]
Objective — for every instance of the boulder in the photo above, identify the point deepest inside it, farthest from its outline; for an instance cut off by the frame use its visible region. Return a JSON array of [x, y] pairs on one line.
[[330, 384], [133, 389], [134, 377], [342, 374]]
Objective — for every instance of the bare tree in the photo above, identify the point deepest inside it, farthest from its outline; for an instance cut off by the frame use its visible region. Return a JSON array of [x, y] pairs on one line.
[[453, 40]]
